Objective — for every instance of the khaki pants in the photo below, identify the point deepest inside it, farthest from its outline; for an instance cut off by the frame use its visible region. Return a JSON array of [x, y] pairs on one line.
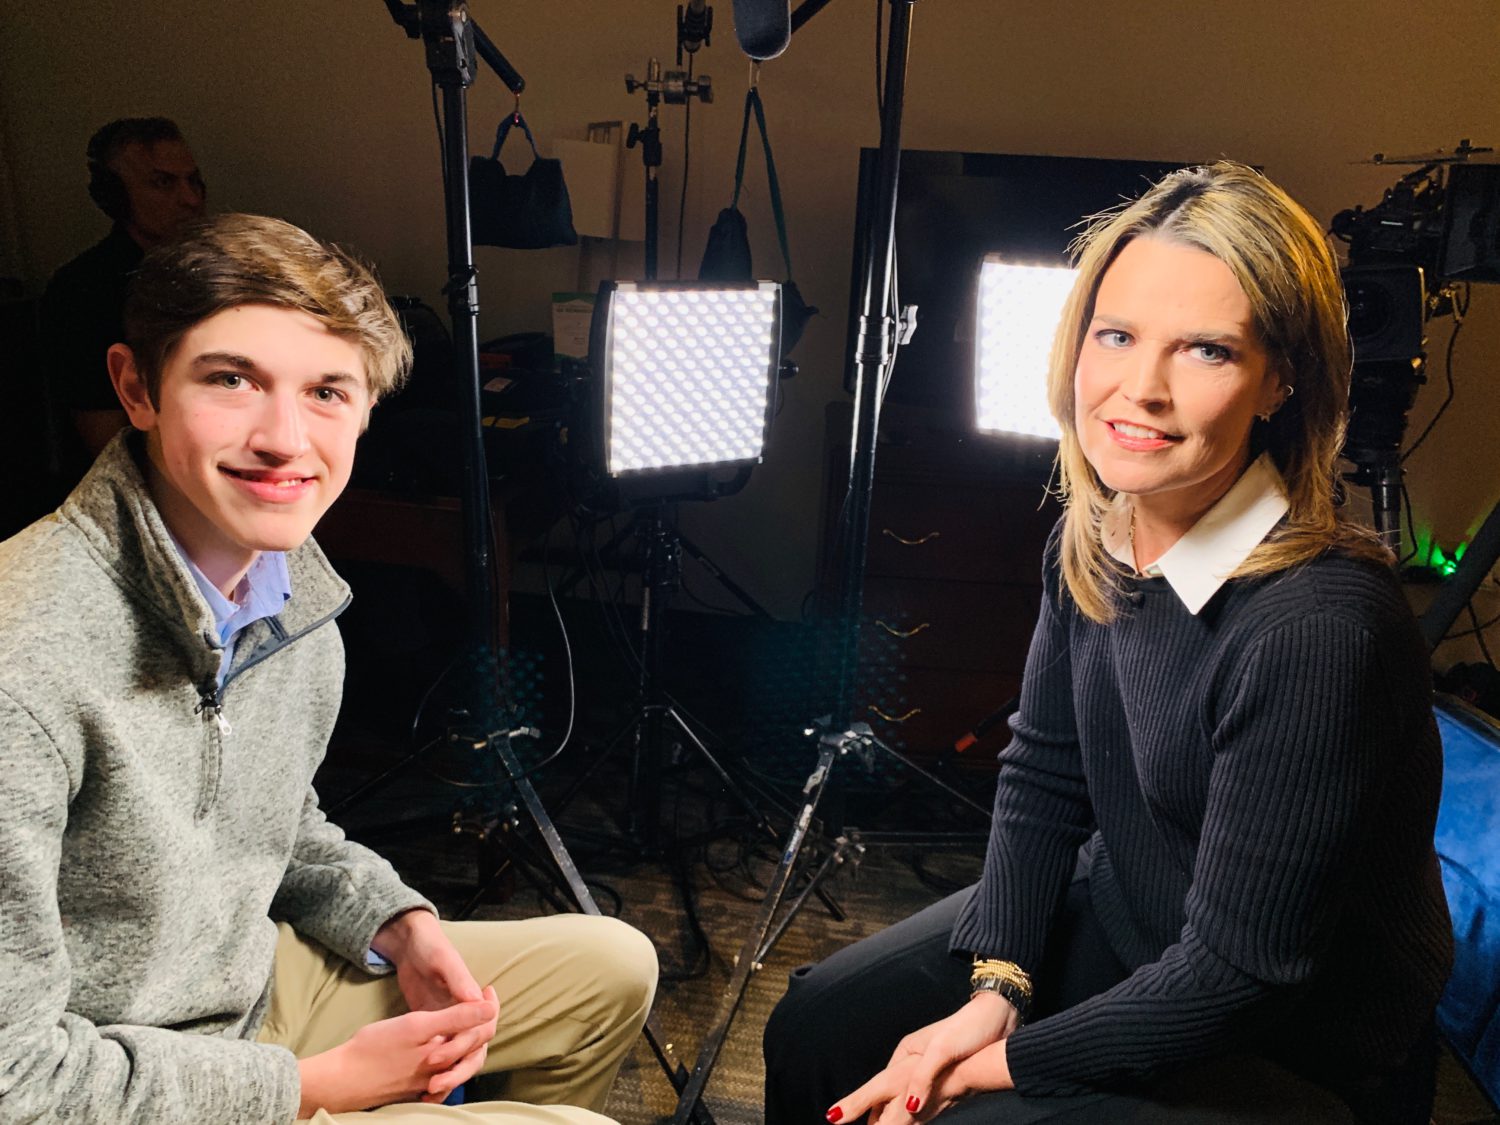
[[574, 991]]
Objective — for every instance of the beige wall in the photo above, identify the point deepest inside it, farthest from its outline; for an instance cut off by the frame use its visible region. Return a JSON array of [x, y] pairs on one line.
[[320, 113]]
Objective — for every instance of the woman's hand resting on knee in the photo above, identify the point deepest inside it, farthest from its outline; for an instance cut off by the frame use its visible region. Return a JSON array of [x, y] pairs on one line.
[[936, 1065]]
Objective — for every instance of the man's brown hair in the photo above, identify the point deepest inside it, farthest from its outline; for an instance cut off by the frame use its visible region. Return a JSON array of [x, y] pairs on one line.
[[232, 260]]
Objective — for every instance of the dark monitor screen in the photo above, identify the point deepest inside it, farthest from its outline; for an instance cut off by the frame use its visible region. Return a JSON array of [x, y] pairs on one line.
[[952, 208]]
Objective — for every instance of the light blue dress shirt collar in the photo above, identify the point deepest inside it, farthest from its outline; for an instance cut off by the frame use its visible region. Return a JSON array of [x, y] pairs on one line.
[[266, 587]]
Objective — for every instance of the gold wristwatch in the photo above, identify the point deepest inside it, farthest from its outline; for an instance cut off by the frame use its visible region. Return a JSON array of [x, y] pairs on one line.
[[1003, 978]]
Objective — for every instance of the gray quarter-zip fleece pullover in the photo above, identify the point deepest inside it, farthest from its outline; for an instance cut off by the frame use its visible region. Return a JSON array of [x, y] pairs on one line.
[[153, 829]]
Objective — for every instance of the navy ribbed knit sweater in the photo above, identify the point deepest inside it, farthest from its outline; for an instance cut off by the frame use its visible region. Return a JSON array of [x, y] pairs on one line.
[[1261, 782]]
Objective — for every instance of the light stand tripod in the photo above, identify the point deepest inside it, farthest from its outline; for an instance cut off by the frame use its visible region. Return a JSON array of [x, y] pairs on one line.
[[451, 38], [880, 334], [660, 578], [655, 525]]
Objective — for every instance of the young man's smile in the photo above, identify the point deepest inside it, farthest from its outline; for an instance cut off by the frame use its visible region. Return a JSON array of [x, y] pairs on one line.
[[272, 487]]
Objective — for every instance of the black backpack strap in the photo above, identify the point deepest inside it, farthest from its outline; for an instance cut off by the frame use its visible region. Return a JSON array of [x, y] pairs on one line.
[[752, 101], [739, 166]]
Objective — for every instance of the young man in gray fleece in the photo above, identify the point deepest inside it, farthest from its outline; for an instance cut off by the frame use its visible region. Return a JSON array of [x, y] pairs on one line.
[[183, 936]]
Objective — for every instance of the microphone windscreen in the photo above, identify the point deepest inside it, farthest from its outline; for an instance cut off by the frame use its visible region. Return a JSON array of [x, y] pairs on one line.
[[763, 27]]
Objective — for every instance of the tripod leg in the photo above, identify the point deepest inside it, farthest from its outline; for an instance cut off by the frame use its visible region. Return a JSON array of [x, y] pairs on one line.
[[544, 825], [534, 872], [930, 776], [741, 595], [1464, 583], [676, 1073], [379, 781], [835, 858], [616, 740], [761, 823], [723, 773], [747, 962]]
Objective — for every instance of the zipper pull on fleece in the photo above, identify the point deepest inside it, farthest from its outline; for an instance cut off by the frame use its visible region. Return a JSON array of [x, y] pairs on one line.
[[213, 701]]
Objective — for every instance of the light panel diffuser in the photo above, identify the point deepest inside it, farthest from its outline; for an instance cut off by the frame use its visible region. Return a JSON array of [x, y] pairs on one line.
[[1019, 307], [688, 375]]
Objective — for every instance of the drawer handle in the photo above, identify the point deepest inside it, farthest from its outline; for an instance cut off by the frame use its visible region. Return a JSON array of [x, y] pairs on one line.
[[903, 633], [910, 542], [892, 718]]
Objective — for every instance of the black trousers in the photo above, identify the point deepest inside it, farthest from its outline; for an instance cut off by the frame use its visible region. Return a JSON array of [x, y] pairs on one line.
[[841, 1019]]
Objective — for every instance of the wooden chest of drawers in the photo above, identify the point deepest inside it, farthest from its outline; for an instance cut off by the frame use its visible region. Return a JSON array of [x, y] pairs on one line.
[[953, 574]]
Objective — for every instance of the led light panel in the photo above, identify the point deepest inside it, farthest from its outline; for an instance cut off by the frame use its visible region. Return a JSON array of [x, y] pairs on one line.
[[1019, 307], [688, 375]]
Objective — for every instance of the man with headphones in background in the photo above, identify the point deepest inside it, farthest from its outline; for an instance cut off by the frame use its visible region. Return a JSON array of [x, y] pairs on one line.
[[143, 176]]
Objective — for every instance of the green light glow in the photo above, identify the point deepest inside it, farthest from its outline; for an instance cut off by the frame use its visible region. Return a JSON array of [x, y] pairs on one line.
[[1441, 561]]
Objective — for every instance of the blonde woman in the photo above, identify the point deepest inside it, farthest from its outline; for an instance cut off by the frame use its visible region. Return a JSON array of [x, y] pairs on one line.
[[1210, 891]]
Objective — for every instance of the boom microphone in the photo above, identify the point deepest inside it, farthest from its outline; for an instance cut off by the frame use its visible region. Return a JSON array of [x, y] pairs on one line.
[[763, 27]]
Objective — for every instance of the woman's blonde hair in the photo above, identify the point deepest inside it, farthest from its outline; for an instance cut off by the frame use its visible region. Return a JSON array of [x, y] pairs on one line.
[[1282, 261]]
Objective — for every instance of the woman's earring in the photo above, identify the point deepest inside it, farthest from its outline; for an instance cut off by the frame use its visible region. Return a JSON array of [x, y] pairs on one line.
[[1287, 392]]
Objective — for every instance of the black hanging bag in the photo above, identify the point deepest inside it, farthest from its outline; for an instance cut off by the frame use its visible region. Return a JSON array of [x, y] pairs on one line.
[[530, 211], [727, 255]]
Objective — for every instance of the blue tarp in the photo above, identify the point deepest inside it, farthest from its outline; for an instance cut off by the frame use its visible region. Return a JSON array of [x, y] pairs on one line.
[[1468, 847]]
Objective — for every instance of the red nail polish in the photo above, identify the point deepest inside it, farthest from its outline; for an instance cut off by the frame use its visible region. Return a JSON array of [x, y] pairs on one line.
[[913, 1104], [834, 1115]]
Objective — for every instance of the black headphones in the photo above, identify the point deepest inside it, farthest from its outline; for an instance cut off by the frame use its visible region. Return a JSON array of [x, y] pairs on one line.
[[106, 188]]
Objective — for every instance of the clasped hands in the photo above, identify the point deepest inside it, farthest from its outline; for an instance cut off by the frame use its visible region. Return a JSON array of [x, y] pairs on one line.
[[936, 1065], [423, 1055]]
